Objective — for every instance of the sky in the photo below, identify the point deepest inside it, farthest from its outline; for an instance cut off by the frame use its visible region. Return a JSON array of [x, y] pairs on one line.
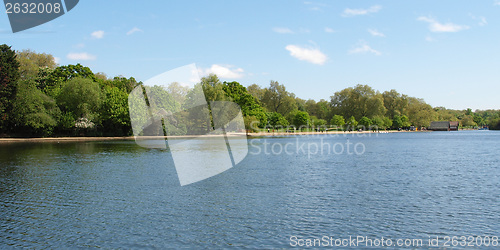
[[446, 52]]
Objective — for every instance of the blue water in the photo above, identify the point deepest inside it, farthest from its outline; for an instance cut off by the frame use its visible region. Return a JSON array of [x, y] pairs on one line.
[[119, 195]]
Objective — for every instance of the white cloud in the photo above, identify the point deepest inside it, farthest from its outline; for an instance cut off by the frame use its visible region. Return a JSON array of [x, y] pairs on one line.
[[134, 30], [357, 12], [436, 26], [363, 48], [282, 30], [224, 71], [81, 56], [57, 60], [97, 34], [376, 33], [497, 3], [329, 30], [304, 54]]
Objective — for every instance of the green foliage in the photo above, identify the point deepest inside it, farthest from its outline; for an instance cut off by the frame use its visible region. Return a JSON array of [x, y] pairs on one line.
[[248, 104], [31, 63], [365, 122], [277, 99], [276, 120], [397, 122], [387, 122], [494, 124], [251, 123], [115, 113], [53, 83], [338, 121], [420, 114], [359, 101], [9, 74], [351, 123], [395, 103], [39, 98], [378, 123], [301, 119], [34, 112], [81, 98]]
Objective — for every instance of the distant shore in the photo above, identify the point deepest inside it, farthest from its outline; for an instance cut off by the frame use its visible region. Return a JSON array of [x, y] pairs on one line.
[[132, 138]]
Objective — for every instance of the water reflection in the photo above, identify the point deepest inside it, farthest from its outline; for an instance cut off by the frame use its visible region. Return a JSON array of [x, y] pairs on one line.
[[118, 195]]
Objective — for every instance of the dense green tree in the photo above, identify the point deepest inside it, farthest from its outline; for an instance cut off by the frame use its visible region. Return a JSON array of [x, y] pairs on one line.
[[420, 114], [213, 89], [387, 122], [468, 121], [178, 91], [319, 109], [251, 123], [248, 104], [494, 124], [80, 98], [351, 123], [397, 122], [35, 114], [54, 82], [301, 120], [277, 99], [338, 121], [365, 122], [405, 121], [115, 113], [31, 62], [395, 103], [256, 91], [276, 120], [9, 74], [378, 123], [359, 101]]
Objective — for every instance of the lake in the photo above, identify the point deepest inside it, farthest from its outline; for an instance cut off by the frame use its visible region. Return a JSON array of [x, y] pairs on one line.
[[429, 186]]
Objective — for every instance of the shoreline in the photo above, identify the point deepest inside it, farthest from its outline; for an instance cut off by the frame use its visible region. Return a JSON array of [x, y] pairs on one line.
[[132, 138]]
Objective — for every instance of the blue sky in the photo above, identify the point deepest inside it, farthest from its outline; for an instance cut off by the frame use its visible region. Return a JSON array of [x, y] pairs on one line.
[[446, 52]]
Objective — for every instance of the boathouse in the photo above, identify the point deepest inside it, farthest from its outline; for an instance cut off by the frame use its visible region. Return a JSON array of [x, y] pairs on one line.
[[444, 126]]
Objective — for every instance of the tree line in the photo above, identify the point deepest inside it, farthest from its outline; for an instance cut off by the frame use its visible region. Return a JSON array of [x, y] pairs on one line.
[[40, 98]]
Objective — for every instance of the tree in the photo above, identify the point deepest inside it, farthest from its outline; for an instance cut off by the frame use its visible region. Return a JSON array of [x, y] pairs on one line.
[[378, 123], [351, 123], [405, 121], [177, 91], [420, 114], [34, 113], [213, 89], [387, 122], [31, 62], [338, 121], [9, 74], [115, 112], [359, 101], [395, 103], [365, 122], [276, 120], [319, 109], [397, 122], [80, 98], [251, 123], [301, 119], [277, 99], [54, 82], [248, 104], [256, 91], [468, 121]]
